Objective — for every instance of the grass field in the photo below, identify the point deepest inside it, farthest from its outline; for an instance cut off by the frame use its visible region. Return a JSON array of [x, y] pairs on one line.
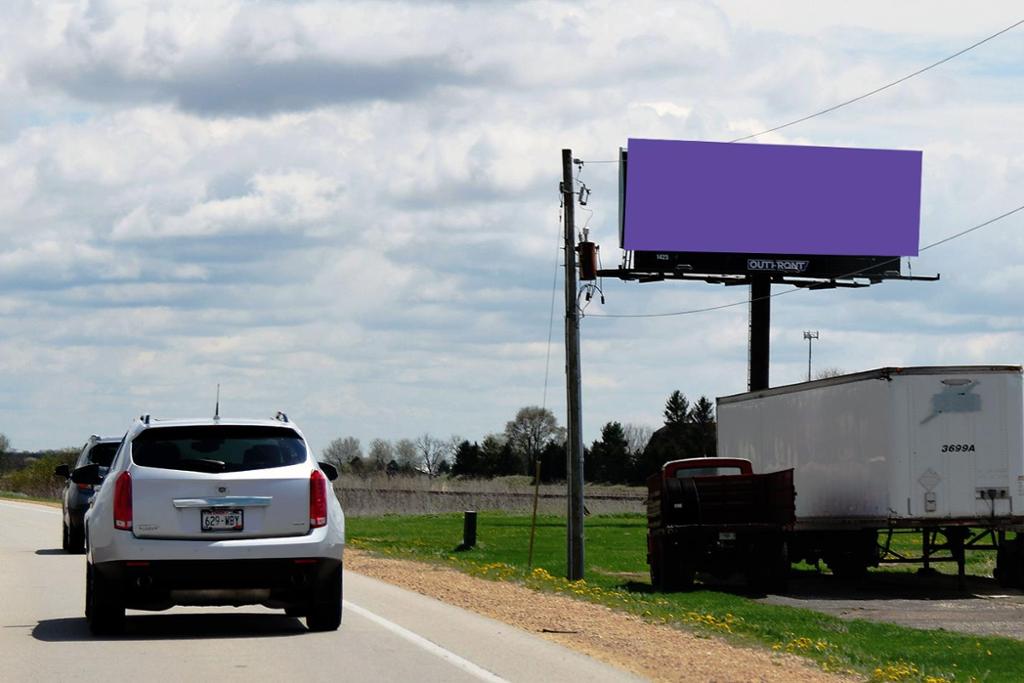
[[616, 574]]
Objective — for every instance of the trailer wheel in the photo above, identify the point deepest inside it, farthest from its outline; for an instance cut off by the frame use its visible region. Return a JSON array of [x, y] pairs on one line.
[[847, 568], [1009, 571]]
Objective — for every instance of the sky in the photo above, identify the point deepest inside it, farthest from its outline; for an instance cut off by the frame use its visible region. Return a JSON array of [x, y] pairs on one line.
[[349, 211]]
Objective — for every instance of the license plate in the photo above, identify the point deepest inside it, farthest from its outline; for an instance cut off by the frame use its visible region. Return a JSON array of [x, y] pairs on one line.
[[221, 520], [727, 536]]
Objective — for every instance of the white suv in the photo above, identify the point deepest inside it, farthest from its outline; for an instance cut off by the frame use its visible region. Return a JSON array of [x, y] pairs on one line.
[[213, 512]]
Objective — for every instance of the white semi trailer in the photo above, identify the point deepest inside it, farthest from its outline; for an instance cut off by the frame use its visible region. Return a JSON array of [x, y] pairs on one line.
[[933, 450]]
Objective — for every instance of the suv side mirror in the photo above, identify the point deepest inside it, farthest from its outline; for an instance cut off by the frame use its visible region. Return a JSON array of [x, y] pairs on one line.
[[330, 470], [88, 474], [62, 471]]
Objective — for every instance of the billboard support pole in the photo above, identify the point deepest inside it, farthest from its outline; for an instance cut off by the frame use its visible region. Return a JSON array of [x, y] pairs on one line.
[[574, 420], [760, 329]]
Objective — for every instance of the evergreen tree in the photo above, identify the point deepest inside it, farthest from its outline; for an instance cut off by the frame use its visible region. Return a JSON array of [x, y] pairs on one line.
[[468, 460], [609, 459], [677, 409], [552, 462], [702, 416]]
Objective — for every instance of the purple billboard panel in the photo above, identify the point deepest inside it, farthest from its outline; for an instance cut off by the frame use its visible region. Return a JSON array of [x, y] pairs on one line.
[[771, 199]]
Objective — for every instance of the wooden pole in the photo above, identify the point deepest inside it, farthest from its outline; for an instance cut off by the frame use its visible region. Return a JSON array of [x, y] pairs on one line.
[[574, 421]]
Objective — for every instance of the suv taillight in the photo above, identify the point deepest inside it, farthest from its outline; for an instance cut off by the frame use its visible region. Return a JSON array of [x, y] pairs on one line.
[[317, 499], [123, 501]]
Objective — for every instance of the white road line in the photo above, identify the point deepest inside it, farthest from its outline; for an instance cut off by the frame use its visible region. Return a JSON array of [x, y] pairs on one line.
[[30, 506], [433, 648]]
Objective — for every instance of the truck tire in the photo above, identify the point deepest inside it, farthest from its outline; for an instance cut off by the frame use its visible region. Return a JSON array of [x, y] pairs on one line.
[[670, 569], [655, 562], [768, 571], [104, 611], [678, 569]]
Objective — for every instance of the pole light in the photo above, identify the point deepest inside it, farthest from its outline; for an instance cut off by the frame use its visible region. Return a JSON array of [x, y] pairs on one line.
[[809, 336]]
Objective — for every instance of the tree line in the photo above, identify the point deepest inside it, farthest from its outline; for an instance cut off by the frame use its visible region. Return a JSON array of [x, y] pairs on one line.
[[625, 454]]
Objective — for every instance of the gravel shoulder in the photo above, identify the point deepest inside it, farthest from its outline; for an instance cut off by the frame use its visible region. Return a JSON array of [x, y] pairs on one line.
[[656, 652]]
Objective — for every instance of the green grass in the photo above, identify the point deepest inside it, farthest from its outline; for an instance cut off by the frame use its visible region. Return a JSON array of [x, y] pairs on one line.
[[14, 495], [616, 575]]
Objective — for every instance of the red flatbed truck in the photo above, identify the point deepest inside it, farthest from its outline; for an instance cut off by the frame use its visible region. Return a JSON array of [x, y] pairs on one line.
[[716, 516]]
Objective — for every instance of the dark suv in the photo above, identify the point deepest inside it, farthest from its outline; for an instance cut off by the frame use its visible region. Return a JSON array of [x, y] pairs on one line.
[[100, 451]]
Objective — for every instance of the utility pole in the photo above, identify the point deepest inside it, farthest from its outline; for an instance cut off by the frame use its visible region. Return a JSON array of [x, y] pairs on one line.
[[574, 421], [808, 335]]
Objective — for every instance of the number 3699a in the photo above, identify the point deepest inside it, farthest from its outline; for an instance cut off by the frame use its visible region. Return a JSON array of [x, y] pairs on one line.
[[958, 448]]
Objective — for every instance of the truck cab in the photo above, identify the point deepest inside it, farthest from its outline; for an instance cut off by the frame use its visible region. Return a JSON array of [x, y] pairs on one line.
[[716, 516]]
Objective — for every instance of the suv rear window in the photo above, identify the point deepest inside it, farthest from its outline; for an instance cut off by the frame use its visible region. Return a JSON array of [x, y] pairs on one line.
[[215, 448], [101, 454]]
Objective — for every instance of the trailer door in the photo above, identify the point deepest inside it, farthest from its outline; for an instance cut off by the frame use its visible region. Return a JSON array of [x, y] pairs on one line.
[[960, 460]]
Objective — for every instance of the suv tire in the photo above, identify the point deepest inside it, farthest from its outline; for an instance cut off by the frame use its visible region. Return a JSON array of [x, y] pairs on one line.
[[104, 610], [325, 609], [75, 540]]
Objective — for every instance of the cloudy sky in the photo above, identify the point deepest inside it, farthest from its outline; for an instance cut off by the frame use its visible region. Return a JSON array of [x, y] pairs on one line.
[[349, 211]]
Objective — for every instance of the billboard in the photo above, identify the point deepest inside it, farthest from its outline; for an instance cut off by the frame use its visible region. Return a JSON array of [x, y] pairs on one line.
[[763, 200]]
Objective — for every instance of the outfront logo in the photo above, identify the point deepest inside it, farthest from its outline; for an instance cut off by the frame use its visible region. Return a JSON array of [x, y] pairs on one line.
[[777, 265]]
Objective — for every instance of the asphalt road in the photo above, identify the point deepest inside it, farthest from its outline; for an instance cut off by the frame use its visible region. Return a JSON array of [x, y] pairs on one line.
[[387, 634]]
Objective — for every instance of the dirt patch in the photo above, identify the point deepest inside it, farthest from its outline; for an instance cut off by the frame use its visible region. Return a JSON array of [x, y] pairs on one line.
[[657, 652]]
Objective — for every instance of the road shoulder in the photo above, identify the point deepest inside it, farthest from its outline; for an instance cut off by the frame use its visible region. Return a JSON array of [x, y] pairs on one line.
[[654, 651]]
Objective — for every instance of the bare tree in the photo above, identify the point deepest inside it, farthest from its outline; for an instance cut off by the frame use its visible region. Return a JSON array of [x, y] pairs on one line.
[[452, 447], [637, 436], [825, 373], [431, 452], [381, 453], [532, 429], [340, 452], [405, 453]]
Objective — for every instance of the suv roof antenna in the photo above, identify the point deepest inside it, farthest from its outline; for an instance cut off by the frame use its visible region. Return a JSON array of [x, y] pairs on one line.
[[216, 409]]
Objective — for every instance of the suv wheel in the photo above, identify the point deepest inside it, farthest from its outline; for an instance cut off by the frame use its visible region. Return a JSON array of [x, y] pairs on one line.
[[104, 611], [64, 544], [325, 609], [75, 540]]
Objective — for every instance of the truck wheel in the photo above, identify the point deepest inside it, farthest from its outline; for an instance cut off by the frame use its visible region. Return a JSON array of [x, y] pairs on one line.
[[104, 611], [678, 571], [769, 568], [656, 570], [325, 609]]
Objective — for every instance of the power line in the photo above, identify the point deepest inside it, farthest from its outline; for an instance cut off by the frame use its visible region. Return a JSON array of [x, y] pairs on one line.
[[855, 273], [865, 95], [551, 321], [884, 87]]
